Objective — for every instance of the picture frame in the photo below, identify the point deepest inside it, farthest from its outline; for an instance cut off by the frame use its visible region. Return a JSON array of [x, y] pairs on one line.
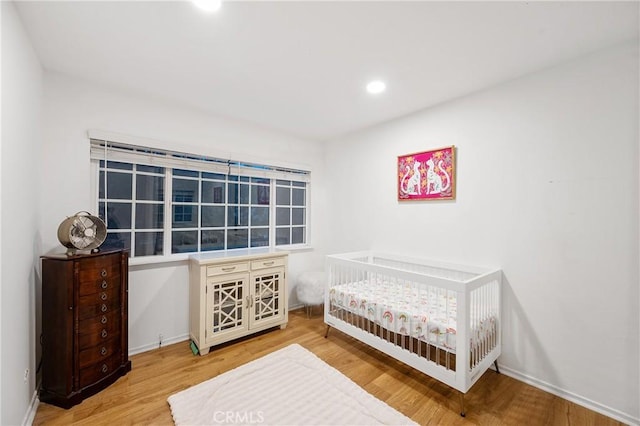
[[428, 175]]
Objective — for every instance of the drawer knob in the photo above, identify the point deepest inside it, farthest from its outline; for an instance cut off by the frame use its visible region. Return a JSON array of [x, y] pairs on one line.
[[103, 273], [104, 319], [105, 368], [104, 284], [104, 333], [103, 351], [104, 308], [103, 296]]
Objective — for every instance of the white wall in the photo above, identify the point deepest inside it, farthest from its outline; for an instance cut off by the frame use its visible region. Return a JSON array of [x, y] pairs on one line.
[[20, 213], [548, 191], [158, 294]]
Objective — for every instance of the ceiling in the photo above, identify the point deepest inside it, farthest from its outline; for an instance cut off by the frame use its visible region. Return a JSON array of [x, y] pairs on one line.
[[301, 67]]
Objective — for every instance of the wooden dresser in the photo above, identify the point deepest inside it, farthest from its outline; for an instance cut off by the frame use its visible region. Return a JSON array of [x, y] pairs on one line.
[[84, 325]]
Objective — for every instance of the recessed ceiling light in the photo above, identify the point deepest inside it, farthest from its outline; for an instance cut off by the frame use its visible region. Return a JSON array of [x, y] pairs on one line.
[[376, 86], [208, 5]]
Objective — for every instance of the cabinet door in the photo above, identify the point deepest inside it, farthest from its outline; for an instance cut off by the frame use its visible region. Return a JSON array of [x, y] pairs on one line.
[[267, 292], [227, 299]]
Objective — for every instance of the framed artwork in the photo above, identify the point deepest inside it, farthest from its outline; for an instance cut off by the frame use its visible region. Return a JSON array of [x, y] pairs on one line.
[[428, 175]]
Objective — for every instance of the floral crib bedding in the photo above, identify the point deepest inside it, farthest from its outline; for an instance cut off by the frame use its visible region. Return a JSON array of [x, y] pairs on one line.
[[428, 314]]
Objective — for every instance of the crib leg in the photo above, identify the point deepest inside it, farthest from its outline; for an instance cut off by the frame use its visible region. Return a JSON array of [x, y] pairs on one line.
[[495, 363], [462, 413], [326, 334]]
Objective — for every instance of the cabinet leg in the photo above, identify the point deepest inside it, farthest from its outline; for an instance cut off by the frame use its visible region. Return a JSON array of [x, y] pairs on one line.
[[462, 412], [496, 365], [283, 326], [204, 351], [326, 334]]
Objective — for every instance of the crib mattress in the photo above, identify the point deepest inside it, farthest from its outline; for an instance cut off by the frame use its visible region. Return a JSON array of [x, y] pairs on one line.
[[428, 315]]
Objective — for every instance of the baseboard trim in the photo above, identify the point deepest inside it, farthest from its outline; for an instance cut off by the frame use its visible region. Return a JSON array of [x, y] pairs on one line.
[[570, 396], [30, 415], [152, 346]]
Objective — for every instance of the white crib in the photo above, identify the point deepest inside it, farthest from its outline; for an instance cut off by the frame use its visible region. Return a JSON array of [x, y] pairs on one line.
[[433, 316]]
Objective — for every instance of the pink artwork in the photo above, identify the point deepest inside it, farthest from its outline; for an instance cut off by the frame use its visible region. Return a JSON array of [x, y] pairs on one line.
[[428, 175]]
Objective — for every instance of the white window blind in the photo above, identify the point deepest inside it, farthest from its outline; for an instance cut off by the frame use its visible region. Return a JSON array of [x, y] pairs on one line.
[[115, 151]]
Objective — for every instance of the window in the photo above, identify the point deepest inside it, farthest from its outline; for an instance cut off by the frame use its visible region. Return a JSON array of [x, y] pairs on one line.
[[211, 204]]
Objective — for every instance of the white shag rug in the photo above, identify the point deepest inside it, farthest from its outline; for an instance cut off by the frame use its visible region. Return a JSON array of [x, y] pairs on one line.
[[291, 386]]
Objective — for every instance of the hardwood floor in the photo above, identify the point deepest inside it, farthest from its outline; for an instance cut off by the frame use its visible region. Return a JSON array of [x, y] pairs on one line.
[[141, 396]]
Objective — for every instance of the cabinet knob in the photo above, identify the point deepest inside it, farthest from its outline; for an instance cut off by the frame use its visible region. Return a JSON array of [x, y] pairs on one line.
[[103, 273], [103, 351], [104, 308], [105, 368], [104, 333], [103, 296], [103, 320], [104, 284]]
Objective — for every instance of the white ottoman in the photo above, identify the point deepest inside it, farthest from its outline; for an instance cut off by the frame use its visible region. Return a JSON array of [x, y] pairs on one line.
[[310, 289]]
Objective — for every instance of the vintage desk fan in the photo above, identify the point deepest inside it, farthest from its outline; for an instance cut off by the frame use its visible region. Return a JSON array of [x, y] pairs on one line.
[[82, 231]]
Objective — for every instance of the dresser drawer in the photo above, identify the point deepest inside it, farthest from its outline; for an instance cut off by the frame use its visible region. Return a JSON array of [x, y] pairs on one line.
[[95, 304], [95, 372], [93, 271], [94, 325], [107, 296], [98, 283], [227, 269], [99, 352], [267, 263], [88, 340]]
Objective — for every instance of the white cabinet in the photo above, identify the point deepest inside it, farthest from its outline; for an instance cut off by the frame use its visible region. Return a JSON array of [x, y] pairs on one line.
[[236, 293]]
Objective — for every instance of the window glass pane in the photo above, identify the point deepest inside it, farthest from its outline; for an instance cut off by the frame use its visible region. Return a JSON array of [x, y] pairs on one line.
[[118, 165], [283, 197], [283, 182], [188, 173], [297, 235], [297, 216], [119, 185], [237, 216], [212, 240], [244, 194], [298, 197], [237, 238], [260, 180], [212, 192], [233, 193], [150, 169], [101, 185], [282, 236], [149, 216], [259, 194], [282, 216], [117, 240], [299, 184], [149, 188], [185, 216], [148, 243], [218, 176], [184, 241], [101, 211], [212, 216], [118, 215], [259, 237], [259, 216], [185, 191]]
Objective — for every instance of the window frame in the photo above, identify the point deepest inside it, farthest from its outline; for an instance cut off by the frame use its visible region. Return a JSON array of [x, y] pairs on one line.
[[235, 168]]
